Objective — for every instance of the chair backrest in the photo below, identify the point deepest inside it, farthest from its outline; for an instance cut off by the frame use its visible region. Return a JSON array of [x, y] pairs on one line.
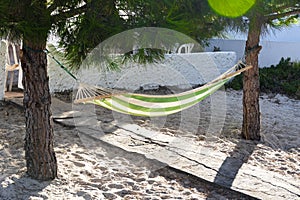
[[186, 47], [13, 62], [13, 52]]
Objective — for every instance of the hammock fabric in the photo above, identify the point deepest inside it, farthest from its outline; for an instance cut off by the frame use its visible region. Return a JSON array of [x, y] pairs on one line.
[[153, 105]]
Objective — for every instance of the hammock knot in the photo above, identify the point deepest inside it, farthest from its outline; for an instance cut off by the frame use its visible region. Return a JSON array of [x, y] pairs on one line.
[[240, 65]]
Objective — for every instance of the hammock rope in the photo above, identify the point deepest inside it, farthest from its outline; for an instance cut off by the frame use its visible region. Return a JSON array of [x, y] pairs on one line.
[[150, 105]]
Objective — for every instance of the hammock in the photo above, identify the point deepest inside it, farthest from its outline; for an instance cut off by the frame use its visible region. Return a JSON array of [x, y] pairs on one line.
[[153, 105]]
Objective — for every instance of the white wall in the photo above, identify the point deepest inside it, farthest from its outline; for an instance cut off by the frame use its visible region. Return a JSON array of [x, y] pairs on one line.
[[178, 70], [270, 54]]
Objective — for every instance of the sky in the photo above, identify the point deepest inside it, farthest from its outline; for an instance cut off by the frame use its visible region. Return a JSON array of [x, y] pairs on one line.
[[288, 34]]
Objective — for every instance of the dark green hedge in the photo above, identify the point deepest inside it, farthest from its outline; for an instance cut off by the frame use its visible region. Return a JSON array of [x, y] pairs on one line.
[[284, 78]]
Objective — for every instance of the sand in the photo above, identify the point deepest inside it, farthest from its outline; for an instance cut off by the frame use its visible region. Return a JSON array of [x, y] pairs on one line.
[[104, 172]]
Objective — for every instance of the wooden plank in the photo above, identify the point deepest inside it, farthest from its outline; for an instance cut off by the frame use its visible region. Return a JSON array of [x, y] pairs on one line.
[[181, 153]]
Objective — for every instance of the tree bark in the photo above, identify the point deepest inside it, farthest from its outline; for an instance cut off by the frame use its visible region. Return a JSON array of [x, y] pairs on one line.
[[39, 153], [251, 111]]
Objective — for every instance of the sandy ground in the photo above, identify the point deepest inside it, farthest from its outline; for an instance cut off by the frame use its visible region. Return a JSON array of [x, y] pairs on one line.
[[278, 150], [104, 172]]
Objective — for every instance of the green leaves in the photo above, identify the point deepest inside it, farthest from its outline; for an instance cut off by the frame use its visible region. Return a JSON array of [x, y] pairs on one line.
[[231, 8], [282, 78]]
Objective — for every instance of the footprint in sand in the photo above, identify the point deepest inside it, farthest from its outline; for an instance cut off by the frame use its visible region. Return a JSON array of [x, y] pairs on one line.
[[116, 186], [78, 164], [109, 195], [96, 180]]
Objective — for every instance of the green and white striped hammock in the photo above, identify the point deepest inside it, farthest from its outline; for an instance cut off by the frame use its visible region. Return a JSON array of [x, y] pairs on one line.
[[153, 105]]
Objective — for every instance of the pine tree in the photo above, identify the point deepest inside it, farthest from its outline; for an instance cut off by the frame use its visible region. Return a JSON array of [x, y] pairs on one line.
[[80, 25], [32, 21], [263, 16]]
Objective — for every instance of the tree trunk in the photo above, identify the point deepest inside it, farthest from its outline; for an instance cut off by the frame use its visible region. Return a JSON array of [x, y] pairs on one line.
[[251, 112], [39, 153]]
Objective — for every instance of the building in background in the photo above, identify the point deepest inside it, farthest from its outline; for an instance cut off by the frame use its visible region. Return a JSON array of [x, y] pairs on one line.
[[276, 44]]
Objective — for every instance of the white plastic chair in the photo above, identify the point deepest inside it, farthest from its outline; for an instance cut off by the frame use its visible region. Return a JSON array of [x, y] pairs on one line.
[[186, 47], [12, 64]]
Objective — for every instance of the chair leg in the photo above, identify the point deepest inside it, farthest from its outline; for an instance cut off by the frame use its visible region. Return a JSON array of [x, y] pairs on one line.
[[5, 80], [11, 80]]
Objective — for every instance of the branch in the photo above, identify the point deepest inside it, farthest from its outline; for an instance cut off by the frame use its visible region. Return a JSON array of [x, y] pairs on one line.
[[57, 4], [284, 7], [52, 8], [281, 15], [67, 14]]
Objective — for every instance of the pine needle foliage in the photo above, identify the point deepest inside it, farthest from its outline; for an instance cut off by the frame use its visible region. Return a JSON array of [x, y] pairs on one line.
[[81, 25]]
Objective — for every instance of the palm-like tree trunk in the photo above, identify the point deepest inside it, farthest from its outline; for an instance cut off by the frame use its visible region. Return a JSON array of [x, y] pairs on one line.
[[39, 153], [251, 111]]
